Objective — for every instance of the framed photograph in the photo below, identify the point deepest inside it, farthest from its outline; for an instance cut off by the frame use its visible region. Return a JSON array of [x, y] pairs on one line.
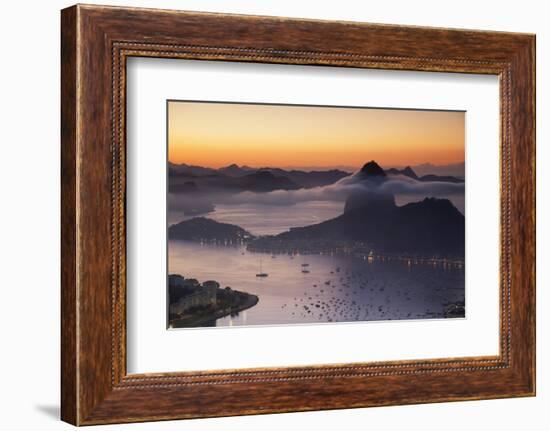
[[265, 215]]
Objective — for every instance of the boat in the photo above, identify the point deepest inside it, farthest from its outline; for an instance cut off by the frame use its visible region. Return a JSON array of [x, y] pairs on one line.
[[305, 271], [261, 274], [305, 264]]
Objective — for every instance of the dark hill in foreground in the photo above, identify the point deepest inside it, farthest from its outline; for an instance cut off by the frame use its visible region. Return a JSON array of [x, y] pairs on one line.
[[432, 227], [205, 229]]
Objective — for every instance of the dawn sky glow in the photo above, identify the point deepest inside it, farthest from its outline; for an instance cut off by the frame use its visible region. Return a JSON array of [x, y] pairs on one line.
[[219, 134]]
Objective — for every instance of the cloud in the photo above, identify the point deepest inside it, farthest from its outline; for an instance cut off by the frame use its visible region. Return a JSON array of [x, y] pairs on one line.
[[398, 185], [288, 197], [401, 184]]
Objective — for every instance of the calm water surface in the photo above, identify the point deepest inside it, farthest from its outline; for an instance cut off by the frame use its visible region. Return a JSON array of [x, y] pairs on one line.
[[337, 288], [263, 219]]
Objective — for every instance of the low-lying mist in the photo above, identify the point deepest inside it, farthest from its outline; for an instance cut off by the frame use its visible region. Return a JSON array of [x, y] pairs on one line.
[[404, 188]]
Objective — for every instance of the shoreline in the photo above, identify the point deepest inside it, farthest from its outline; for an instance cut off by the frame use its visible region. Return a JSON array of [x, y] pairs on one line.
[[338, 251], [201, 320], [371, 257]]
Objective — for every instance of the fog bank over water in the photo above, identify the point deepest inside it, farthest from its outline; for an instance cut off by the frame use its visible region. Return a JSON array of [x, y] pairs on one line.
[[339, 193]]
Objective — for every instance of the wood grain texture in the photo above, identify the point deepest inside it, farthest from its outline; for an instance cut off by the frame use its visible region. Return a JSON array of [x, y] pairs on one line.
[[69, 397], [96, 41]]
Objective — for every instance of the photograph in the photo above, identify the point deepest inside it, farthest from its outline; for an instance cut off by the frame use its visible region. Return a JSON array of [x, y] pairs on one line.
[[296, 214]]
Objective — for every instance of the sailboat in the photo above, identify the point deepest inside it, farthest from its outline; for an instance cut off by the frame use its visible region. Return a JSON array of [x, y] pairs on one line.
[[261, 274]]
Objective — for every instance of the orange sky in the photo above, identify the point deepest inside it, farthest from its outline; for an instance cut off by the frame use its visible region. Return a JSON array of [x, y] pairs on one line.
[[219, 134]]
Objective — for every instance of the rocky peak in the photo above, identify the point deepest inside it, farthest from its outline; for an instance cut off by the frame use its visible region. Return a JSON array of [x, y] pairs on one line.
[[372, 169], [408, 171]]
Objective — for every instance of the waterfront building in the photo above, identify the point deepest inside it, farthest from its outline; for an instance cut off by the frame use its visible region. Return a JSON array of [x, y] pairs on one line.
[[201, 296]]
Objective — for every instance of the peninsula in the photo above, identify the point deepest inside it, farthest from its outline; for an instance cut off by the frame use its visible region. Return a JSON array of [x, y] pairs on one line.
[[192, 304]]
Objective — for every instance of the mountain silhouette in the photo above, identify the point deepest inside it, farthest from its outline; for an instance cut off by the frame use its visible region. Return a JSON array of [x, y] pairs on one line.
[[309, 179], [205, 229], [189, 170], [444, 178], [235, 170], [265, 181], [372, 169], [432, 227], [237, 178], [371, 199], [409, 172]]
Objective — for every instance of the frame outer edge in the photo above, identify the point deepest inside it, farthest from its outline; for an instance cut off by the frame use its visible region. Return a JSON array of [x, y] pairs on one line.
[[532, 101], [69, 202], [533, 54], [523, 216], [88, 397]]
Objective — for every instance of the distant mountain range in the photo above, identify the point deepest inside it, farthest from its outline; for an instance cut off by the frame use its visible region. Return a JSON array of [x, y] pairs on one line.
[[409, 172], [234, 178], [189, 170], [431, 227], [259, 181], [310, 179], [235, 170], [454, 169], [185, 178]]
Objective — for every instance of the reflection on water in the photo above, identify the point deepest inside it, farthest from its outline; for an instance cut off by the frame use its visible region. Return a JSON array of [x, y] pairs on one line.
[[315, 288]]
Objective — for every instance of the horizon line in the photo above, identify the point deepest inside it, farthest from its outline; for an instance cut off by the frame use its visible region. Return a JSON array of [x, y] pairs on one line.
[[319, 166]]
